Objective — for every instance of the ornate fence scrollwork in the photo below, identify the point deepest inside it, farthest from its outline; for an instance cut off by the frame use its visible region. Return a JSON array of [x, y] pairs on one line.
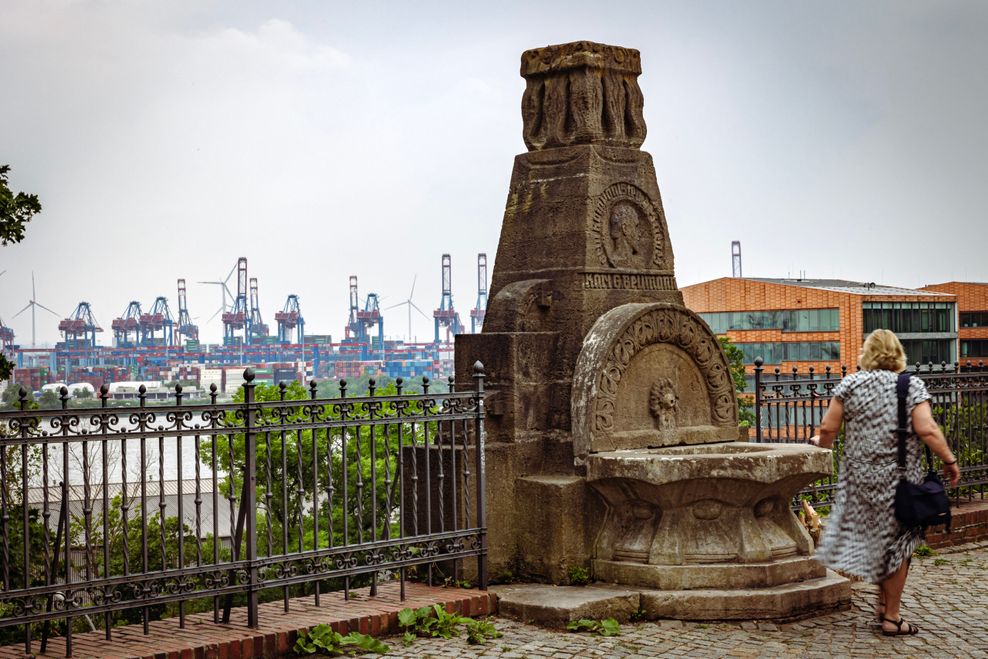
[[138, 512]]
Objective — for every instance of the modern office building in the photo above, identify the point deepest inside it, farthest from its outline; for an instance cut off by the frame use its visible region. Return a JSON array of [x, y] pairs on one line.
[[972, 310], [822, 322]]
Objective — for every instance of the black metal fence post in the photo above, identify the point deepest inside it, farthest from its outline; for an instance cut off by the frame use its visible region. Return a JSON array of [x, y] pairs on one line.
[[250, 496], [758, 398], [478, 376]]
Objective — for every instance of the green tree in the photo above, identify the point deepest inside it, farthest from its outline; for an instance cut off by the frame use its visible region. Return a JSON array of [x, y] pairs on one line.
[[49, 400], [16, 210], [735, 357], [290, 471], [10, 397]]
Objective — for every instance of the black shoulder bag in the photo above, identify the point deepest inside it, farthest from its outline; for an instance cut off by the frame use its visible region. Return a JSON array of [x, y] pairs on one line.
[[917, 505]]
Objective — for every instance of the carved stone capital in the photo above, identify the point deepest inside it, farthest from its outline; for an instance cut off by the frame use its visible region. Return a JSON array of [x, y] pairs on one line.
[[582, 93]]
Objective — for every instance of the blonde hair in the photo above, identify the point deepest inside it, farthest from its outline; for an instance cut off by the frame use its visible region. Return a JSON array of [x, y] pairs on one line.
[[882, 350]]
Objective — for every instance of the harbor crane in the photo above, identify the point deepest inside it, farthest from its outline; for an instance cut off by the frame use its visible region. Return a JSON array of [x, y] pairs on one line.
[[446, 316], [158, 319], [238, 317], [288, 319], [361, 321], [478, 312], [257, 327], [6, 336], [186, 329], [126, 328], [80, 328]]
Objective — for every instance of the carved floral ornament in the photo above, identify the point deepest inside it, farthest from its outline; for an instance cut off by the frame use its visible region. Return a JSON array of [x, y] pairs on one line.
[[675, 326]]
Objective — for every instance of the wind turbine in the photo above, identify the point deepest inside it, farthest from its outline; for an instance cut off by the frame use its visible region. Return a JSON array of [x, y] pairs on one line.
[[224, 291], [31, 305], [411, 305]]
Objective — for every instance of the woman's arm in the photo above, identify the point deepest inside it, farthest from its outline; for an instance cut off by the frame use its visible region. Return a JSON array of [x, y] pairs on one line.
[[926, 427], [830, 425]]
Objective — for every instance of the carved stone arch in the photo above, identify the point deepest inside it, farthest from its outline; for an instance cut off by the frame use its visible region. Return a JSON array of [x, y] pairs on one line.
[[626, 352]]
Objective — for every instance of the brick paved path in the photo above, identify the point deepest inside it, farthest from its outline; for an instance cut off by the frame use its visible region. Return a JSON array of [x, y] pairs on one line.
[[946, 596]]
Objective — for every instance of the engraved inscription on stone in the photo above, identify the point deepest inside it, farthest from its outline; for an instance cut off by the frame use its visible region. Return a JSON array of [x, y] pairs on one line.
[[608, 280], [625, 228]]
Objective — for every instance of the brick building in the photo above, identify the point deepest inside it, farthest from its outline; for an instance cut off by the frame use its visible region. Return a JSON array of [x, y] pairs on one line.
[[972, 306], [822, 322]]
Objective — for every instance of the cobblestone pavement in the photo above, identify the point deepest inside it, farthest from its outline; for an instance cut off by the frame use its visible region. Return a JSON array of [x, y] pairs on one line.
[[946, 596]]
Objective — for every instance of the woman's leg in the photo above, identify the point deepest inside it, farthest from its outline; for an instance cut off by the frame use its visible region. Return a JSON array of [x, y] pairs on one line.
[[892, 595]]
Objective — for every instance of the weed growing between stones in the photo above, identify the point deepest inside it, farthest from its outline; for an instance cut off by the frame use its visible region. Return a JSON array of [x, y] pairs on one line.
[[435, 621], [578, 575], [924, 551], [605, 627], [322, 639]]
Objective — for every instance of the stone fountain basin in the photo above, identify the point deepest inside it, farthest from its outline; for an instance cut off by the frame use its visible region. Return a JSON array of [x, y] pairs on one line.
[[714, 503], [724, 461]]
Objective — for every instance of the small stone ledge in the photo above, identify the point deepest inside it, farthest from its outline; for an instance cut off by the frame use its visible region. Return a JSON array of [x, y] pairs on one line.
[[554, 606]]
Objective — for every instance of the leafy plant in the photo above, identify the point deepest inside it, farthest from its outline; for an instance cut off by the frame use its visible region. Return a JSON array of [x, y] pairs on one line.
[[578, 575], [923, 551], [322, 639], [478, 631], [605, 627], [436, 622], [735, 357], [450, 582]]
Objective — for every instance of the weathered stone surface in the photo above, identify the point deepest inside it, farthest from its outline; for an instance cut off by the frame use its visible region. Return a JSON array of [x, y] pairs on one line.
[[720, 575], [606, 394], [780, 603], [651, 375], [581, 93], [550, 543], [554, 606]]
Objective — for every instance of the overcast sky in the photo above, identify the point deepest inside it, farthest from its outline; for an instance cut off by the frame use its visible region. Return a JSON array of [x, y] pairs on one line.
[[324, 139]]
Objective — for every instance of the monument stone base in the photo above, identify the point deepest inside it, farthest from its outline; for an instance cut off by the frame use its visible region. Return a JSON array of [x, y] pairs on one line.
[[554, 606]]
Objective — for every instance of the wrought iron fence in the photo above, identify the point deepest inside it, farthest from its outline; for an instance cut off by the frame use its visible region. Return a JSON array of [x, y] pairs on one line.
[[789, 407], [126, 512]]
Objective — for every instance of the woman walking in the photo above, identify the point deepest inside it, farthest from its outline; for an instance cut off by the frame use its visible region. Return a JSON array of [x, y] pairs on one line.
[[862, 536]]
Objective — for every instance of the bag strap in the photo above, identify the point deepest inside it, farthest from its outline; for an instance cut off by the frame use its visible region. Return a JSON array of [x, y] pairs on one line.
[[901, 392]]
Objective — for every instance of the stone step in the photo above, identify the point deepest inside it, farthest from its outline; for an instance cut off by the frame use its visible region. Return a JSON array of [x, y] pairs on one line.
[[709, 575], [554, 606], [779, 603]]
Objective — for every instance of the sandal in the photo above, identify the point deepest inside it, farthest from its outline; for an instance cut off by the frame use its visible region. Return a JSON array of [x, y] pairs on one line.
[[909, 629]]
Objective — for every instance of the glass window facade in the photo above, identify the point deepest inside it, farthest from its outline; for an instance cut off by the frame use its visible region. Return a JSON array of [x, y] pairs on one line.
[[787, 320], [974, 319], [925, 351], [905, 317], [974, 348], [802, 351]]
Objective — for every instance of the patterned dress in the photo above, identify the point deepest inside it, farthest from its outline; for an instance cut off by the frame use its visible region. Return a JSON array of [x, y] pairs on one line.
[[862, 536]]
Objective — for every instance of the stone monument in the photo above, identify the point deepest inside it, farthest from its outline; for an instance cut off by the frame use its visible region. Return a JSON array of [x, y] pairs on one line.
[[612, 423]]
